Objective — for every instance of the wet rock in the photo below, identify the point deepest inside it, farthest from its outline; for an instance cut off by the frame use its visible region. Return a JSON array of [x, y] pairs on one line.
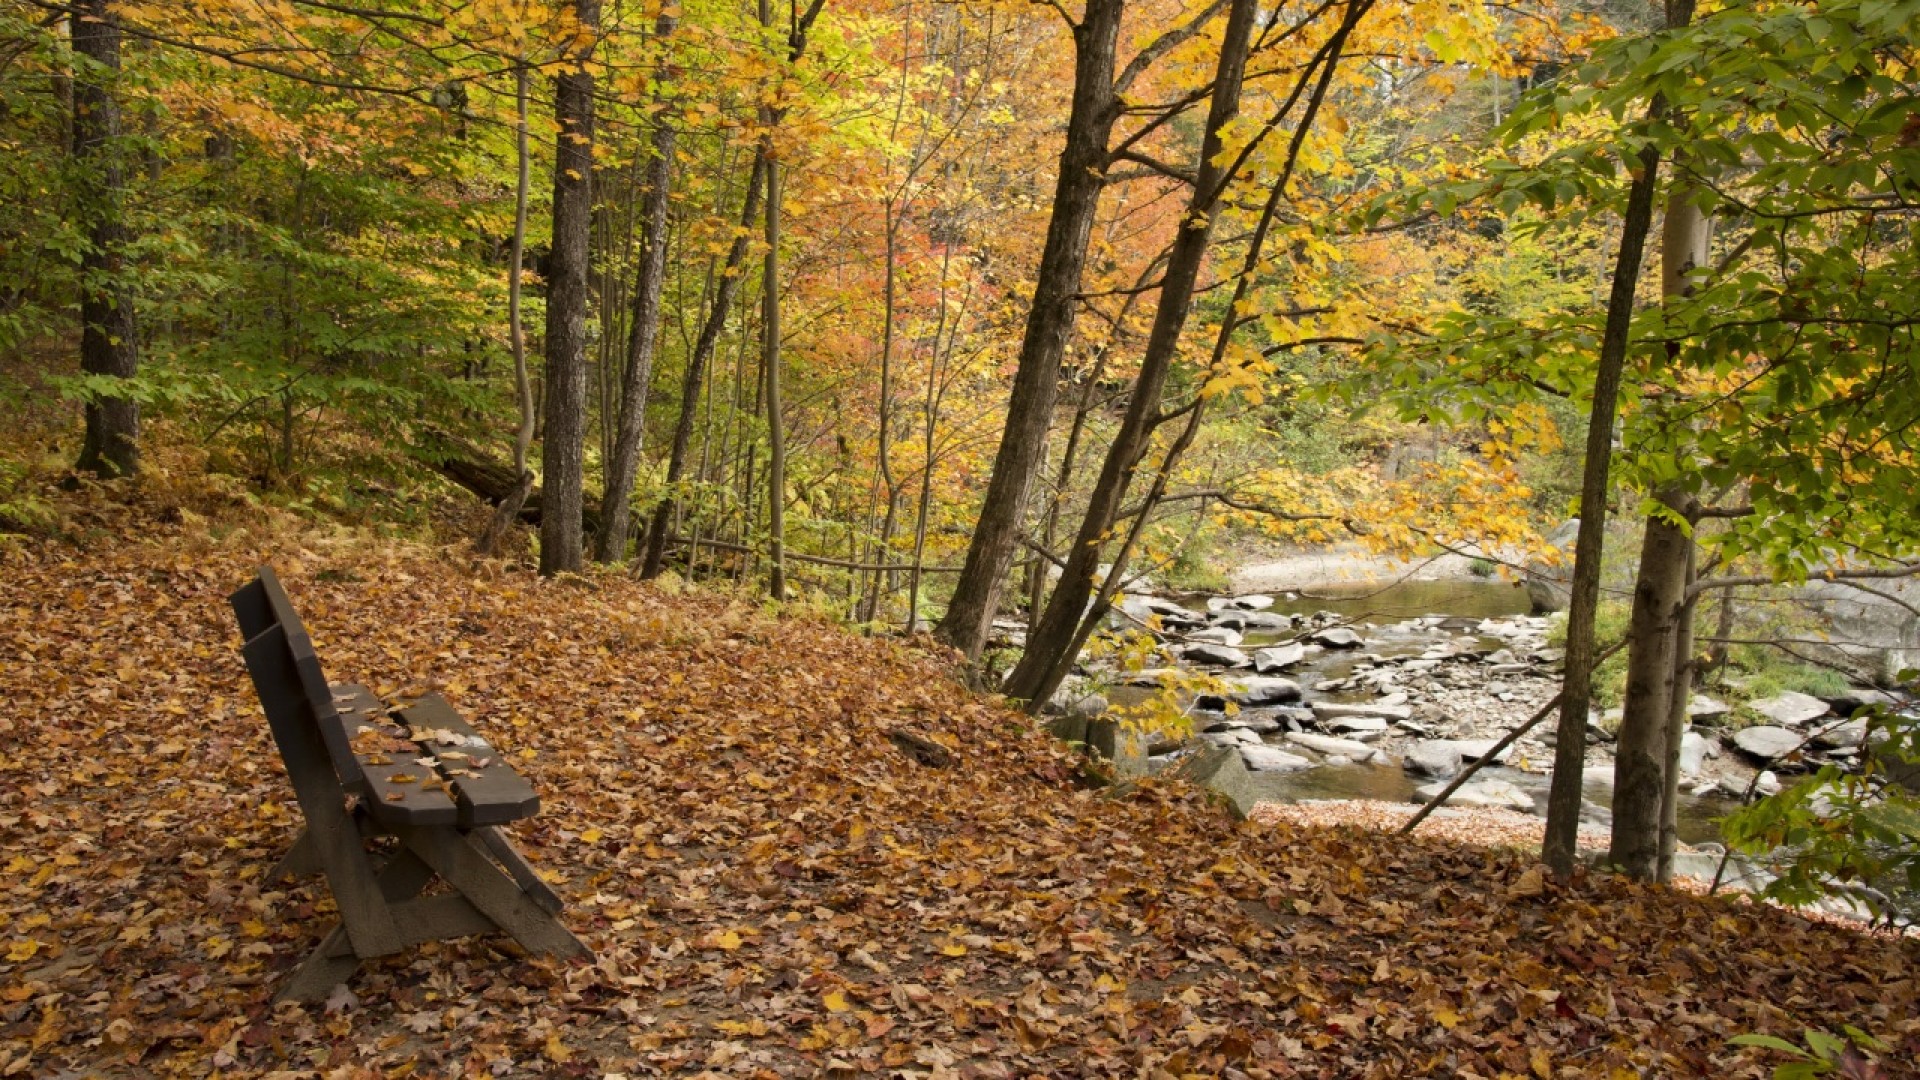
[[1694, 748], [1232, 737], [1216, 635], [1278, 658], [1842, 736], [1495, 793], [1701, 707], [1249, 602], [1272, 759], [1216, 655], [1327, 744], [1474, 749], [1337, 710], [1264, 690], [1433, 757], [1790, 709], [1504, 656], [1337, 637], [1766, 742], [1364, 727]]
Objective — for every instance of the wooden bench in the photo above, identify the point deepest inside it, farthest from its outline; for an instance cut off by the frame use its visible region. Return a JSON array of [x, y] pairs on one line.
[[419, 776]]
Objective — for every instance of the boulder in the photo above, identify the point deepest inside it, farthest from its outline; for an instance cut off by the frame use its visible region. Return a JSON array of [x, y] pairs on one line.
[[1215, 635], [1221, 769], [1694, 748], [1842, 736], [1249, 602], [1339, 710], [1790, 709], [1365, 727], [1264, 690], [1262, 758], [1433, 757], [1264, 620], [1327, 744], [1496, 793], [1278, 658], [1472, 749], [1766, 742], [1701, 707], [1217, 655], [1237, 736], [1337, 637]]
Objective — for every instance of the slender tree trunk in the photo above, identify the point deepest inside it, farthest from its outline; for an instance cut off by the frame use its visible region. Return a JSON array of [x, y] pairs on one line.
[[1641, 752], [1560, 848], [776, 431], [1683, 677], [643, 336], [108, 346], [1659, 601], [509, 509], [1058, 625], [563, 453], [695, 377], [1036, 381]]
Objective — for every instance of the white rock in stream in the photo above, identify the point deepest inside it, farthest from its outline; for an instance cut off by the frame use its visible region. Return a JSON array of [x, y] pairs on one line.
[[1766, 741], [1364, 727], [1218, 655], [1339, 710], [1272, 759], [1338, 637], [1498, 793], [1264, 691], [1327, 744], [1216, 635], [1790, 709], [1278, 658], [1249, 602]]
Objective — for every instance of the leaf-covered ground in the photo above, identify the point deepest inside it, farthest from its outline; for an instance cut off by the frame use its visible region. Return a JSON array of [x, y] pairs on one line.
[[772, 887]]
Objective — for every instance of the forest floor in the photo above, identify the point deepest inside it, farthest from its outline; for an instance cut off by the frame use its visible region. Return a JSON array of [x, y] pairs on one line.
[[771, 888]]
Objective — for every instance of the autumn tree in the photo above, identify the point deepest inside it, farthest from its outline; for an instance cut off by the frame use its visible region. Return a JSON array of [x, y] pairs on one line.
[[109, 346]]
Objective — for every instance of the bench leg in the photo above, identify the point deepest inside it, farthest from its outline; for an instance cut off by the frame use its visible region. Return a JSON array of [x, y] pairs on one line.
[[516, 864], [333, 961], [460, 859], [301, 859]]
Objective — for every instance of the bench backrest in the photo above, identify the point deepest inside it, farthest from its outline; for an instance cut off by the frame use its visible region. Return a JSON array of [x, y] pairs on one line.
[[286, 673]]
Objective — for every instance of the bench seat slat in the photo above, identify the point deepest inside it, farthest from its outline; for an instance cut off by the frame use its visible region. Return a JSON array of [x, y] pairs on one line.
[[422, 799], [497, 794]]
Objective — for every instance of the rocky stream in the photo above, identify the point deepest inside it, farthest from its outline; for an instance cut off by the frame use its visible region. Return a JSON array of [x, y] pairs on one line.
[[1383, 695]]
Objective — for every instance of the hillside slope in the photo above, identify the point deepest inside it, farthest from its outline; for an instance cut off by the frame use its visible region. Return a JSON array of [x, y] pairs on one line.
[[772, 887]]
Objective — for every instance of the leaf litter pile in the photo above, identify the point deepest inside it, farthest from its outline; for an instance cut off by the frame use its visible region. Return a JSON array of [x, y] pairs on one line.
[[794, 852]]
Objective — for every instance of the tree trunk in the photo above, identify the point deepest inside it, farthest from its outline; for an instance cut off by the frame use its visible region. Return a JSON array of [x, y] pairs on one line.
[[1659, 596], [509, 509], [776, 433], [610, 544], [691, 383], [1641, 753], [108, 346], [1058, 627], [1560, 848], [1683, 674], [1036, 381], [563, 453]]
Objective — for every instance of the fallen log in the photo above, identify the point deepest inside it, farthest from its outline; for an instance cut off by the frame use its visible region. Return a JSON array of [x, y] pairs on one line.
[[493, 480]]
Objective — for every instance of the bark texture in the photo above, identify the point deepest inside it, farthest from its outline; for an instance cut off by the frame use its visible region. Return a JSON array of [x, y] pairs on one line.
[[108, 345], [1036, 381], [1057, 632], [562, 455]]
